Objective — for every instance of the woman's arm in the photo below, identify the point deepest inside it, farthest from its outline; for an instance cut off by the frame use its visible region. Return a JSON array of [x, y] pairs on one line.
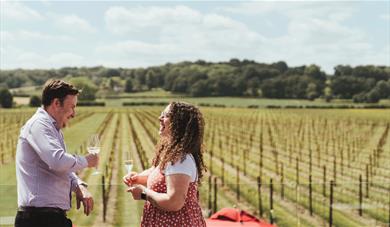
[[137, 178], [173, 200]]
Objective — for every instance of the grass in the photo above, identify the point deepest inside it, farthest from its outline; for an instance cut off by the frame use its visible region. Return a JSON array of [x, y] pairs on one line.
[[8, 192], [159, 95], [128, 212], [227, 101]]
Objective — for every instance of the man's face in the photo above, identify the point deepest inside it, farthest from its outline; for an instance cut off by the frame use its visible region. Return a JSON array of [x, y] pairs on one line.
[[66, 111]]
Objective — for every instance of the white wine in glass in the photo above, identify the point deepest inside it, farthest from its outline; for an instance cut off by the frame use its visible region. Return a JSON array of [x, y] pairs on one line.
[[94, 148], [128, 165]]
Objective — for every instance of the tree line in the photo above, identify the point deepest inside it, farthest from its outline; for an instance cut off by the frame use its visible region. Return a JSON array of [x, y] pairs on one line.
[[235, 77]]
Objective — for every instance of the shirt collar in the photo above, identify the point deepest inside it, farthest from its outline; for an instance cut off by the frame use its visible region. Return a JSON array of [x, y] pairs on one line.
[[48, 116]]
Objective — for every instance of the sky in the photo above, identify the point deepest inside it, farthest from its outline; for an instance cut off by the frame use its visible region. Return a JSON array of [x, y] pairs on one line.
[[131, 34]]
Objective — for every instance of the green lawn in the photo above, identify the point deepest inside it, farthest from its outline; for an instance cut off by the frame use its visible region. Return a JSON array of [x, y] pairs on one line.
[[233, 101]]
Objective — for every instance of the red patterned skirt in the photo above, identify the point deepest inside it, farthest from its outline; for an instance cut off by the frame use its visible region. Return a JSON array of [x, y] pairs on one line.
[[189, 215]]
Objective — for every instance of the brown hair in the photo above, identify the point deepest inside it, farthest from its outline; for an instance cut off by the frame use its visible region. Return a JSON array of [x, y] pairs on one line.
[[57, 89], [187, 128]]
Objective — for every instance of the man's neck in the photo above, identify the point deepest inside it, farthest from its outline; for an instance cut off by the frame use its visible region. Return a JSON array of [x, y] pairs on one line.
[[51, 112]]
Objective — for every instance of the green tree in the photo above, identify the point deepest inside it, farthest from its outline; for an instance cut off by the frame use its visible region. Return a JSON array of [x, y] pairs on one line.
[[273, 88], [88, 88], [200, 88], [328, 91], [346, 87], [6, 98], [129, 86], [311, 91], [314, 71], [35, 101], [281, 66], [343, 70]]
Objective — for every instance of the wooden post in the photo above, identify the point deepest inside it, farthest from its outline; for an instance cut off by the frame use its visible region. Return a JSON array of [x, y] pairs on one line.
[[238, 183], [223, 170], [297, 171], [104, 199], [261, 154], [324, 182], [271, 201], [282, 182], [210, 193], [331, 204], [211, 161], [215, 195], [367, 181], [259, 196], [244, 161], [360, 195], [310, 196], [334, 170], [310, 161]]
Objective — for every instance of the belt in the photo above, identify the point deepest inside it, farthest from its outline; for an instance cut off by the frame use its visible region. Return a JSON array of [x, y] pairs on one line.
[[42, 210]]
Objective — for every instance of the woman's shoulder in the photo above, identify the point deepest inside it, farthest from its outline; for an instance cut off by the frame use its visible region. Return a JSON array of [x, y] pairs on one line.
[[188, 160], [186, 166]]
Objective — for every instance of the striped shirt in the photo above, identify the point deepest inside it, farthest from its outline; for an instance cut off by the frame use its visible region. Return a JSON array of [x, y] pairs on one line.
[[45, 172]]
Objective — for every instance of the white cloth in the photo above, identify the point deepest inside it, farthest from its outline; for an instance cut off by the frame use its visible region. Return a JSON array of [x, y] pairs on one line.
[[187, 167]]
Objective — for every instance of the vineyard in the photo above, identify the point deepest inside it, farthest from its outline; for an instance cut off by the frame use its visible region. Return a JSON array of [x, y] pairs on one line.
[[292, 167]]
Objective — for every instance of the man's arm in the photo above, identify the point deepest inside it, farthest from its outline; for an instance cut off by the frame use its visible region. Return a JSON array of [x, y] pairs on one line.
[[82, 194], [76, 181], [46, 143]]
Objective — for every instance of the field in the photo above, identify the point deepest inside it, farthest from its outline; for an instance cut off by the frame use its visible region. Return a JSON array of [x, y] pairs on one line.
[[293, 167], [160, 97]]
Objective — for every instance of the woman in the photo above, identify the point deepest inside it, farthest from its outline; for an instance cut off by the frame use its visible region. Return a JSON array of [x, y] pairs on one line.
[[170, 186]]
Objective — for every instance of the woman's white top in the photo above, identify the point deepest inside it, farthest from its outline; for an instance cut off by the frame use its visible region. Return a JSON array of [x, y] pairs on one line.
[[187, 167]]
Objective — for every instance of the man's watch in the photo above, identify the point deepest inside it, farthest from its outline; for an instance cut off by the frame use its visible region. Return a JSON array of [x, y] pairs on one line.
[[143, 195], [84, 184]]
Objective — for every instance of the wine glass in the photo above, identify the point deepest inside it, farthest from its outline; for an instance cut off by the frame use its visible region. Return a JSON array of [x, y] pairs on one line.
[[128, 165], [94, 148]]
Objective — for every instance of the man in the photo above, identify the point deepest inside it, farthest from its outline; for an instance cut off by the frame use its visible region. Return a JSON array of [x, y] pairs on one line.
[[45, 172]]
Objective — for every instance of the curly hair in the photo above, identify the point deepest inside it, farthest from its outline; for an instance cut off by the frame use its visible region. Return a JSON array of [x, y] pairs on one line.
[[187, 128]]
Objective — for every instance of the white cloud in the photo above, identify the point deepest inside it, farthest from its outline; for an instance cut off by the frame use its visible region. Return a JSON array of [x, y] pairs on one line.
[[136, 47], [385, 17], [65, 58], [315, 33], [73, 23], [121, 20], [26, 35], [13, 57], [336, 11], [300, 33], [12, 10], [178, 33]]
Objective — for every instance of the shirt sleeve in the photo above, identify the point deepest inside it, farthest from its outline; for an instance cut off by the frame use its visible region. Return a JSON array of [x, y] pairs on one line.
[[46, 142], [187, 167], [75, 181]]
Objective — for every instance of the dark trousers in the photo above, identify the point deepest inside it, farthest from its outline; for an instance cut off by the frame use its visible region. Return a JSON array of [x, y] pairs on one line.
[[41, 219]]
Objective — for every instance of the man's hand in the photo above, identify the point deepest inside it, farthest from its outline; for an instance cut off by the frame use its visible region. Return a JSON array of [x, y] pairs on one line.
[[84, 196], [92, 159]]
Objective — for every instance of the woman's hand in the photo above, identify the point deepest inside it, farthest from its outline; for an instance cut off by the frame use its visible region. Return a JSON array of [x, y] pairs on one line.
[[130, 178], [136, 191]]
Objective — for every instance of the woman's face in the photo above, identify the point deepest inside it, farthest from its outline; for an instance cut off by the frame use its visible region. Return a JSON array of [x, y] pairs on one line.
[[164, 122]]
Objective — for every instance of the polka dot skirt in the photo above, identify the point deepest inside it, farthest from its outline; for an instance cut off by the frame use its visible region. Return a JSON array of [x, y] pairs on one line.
[[189, 215]]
